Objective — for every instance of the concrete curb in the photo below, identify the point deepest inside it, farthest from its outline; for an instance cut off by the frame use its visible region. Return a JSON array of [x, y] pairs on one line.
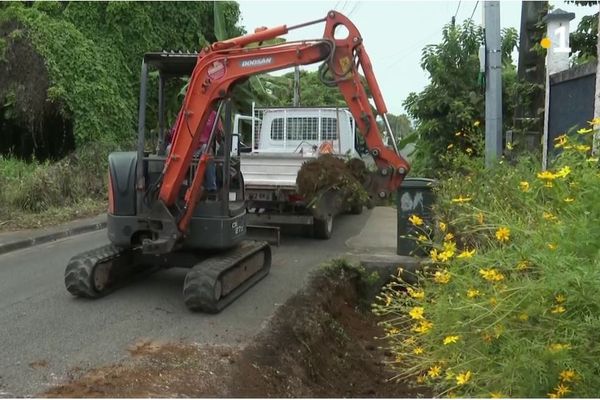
[[49, 237]]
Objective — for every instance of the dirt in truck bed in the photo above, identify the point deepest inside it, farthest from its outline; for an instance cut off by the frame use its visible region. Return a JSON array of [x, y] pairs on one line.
[[318, 344], [329, 173]]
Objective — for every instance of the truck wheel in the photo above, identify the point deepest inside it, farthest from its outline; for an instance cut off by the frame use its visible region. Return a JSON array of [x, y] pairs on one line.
[[323, 228], [356, 209]]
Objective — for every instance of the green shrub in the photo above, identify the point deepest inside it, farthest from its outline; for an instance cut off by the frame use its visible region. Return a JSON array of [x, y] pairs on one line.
[[507, 305]]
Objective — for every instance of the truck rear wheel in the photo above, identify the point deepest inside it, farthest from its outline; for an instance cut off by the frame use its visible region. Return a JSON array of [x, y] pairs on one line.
[[323, 228]]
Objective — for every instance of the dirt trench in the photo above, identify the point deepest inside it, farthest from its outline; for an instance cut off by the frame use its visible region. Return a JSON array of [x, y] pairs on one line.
[[318, 344]]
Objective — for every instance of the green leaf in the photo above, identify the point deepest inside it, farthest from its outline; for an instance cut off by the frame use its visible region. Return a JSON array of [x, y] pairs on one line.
[[219, 15]]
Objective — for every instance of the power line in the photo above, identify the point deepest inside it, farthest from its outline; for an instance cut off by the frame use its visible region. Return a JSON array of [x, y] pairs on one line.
[[456, 13], [356, 4], [474, 8], [457, 8], [400, 56]]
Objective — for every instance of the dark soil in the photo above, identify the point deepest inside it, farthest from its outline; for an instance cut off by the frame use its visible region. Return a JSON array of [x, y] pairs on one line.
[[328, 174], [319, 344]]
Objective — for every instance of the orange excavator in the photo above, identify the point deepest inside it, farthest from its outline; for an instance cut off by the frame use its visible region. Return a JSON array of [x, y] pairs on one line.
[[158, 215]]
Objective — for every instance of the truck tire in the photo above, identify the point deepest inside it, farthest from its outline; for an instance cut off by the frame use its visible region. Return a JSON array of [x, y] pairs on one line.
[[356, 209], [323, 228]]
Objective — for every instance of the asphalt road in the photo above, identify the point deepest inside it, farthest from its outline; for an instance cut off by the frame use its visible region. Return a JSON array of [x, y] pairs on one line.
[[45, 333]]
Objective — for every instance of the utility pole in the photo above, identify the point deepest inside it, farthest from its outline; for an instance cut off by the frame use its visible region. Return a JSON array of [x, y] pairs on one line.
[[493, 82], [296, 86]]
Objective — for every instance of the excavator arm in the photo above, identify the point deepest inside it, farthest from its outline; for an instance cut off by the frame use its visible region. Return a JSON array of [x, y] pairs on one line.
[[223, 64]]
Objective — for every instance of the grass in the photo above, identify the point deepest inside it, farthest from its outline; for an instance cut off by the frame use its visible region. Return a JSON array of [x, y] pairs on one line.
[[38, 194]]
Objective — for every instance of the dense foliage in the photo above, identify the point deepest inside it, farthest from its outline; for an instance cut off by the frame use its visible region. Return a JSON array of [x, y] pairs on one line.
[[92, 53], [453, 103], [506, 305]]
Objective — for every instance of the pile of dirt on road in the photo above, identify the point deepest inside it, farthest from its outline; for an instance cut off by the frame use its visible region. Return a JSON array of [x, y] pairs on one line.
[[319, 344], [328, 174]]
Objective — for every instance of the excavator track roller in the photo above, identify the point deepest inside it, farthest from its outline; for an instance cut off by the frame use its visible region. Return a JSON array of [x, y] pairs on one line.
[[214, 283]]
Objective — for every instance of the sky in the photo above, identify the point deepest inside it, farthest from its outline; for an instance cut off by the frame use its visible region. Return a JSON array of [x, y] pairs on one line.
[[394, 32]]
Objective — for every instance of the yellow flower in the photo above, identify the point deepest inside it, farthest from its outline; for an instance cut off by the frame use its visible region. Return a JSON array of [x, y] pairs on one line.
[[450, 247], [393, 331], [560, 141], [434, 371], [461, 199], [448, 237], [569, 200], [583, 148], [415, 220], [568, 375], [503, 234], [418, 350], [583, 131], [524, 186], [549, 216], [509, 146], [493, 301], [451, 339], [459, 133], [466, 254], [546, 176], [564, 171], [523, 316], [421, 379], [560, 298], [423, 327], [561, 390], [442, 226], [434, 255], [445, 255], [422, 238], [523, 264], [491, 274], [551, 246], [498, 395], [479, 218], [476, 124], [469, 150], [595, 121], [463, 378], [450, 146], [558, 309], [418, 294], [442, 277], [416, 312], [388, 300], [555, 347], [409, 341], [472, 293]]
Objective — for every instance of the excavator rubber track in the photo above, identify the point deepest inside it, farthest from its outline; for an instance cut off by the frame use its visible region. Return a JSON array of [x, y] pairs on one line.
[[96, 272], [214, 283]]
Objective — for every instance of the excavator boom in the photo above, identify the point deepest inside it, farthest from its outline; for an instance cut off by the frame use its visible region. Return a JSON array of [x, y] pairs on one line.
[[223, 64]]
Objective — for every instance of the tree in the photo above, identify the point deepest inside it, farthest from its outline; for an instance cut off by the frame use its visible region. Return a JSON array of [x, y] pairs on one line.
[[450, 110]]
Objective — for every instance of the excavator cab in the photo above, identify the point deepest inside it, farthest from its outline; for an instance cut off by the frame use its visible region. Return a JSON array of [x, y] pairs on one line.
[[219, 218], [222, 263]]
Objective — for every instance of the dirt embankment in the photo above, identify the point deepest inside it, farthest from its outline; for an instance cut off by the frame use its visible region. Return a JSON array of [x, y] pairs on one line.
[[319, 344]]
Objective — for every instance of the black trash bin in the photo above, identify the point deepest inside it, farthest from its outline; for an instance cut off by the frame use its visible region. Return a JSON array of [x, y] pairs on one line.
[[415, 197]]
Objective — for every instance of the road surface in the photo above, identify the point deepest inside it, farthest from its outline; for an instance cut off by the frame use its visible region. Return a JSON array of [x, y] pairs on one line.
[[45, 333]]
